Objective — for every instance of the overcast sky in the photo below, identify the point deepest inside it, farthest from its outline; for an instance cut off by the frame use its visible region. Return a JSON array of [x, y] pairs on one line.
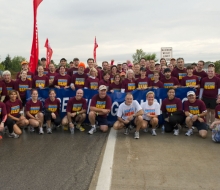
[[190, 27]]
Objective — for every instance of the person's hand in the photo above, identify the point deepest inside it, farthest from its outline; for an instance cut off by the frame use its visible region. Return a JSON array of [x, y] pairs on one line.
[[73, 87], [53, 115], [66, 87], [212, 125], [21, 117], [105, 111], [1, 126], [130, 118], [57, 87], [200, 119], [194, 118], [73, 114]]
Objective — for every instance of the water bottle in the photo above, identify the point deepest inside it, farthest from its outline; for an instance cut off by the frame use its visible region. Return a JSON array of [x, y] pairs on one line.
[[162, 129]]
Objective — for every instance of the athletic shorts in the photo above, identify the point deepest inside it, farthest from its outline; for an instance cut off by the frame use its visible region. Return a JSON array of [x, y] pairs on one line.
[[200, 125], [210, 102], [102, 120]]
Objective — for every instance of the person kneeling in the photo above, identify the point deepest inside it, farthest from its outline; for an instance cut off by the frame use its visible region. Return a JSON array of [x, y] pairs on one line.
[[100, 107], [76, 112], [195, 111], [15, 115], [151, 112], [129, 113]]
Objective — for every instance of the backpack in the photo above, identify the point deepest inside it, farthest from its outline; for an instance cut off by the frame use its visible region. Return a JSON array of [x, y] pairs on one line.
[[216, 134]]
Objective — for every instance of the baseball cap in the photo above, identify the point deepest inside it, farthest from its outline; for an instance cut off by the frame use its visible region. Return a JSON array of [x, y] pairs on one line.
[[130, 65], [81, 64], [122, 74], [24, 62], [63, 59], [211, 64], [102, 87], [167, 70], [190, 93]]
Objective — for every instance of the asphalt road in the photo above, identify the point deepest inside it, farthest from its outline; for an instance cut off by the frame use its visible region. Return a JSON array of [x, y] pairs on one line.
[[56, 161]]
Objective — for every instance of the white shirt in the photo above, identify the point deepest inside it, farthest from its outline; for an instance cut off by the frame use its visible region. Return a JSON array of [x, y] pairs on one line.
[[154, 109], [124, 111]]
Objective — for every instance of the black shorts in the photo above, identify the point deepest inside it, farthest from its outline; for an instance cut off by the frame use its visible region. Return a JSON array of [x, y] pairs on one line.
[[102, 120], [210, 103], [131, 123], [200, 125], [148, 122]]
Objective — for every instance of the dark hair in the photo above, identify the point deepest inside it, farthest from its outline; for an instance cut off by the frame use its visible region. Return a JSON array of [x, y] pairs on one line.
[[90, 59], [117, 75], [124, 63], [76, 59], [189, 67], [156, 72], [203, 62], [12, 91], [62, 66], [43, 59], [63, 59], [163, 59], [105, 73], [113, 66], [180, 58], [169, 89], [33, 89], [143, 58]]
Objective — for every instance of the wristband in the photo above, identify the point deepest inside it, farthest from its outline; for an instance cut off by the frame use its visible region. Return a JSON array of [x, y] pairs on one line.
[[21, 112]]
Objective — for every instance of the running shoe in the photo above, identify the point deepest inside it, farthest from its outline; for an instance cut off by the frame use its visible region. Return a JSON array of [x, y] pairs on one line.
[[154, 133], [136, 135], [176, 132], [146, 130], [189, 132], [13, 135], [65, 128], [31, 129], [92, 130], [79, 127], [49, 130], [127, 131], [41, 132]]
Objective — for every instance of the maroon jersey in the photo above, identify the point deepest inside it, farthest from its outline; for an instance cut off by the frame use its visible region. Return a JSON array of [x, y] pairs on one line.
[[14, 108], [30, 75], [179, 74], [51, 75], [72, 71], [217, 111], [170, 106], [210, 87], [190, 81], [102, 103], [194, 108], [128, 85], [79, 80], [169, 83], [46, 70], [22, 86], [52, 106], [157, 84], [3, 90], [150, 74], [92, 84], [62, 81], [142, 83], [42, 81], [75, 105], [3, 111], [115, 87], [106, 83], [33, 108], [200, 75], [9, 87]]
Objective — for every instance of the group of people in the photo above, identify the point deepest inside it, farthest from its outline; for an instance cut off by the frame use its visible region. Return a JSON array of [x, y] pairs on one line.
[[199, 111]]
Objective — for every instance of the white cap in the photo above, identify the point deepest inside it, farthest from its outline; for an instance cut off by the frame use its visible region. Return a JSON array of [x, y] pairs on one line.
[[191, 93], [102, 87]]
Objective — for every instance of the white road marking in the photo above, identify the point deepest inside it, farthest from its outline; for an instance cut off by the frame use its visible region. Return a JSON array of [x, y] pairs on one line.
[[105, 175]]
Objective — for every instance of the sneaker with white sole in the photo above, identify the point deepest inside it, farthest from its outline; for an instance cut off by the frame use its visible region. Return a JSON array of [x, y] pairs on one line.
[[79, 127], [31, 129], [72, 130], [136, 135], [127, 131], [41, 132], [146, 130], [13, 135], [49, 130], [154, 133], [189, 132], [176, 132], [92, 130]]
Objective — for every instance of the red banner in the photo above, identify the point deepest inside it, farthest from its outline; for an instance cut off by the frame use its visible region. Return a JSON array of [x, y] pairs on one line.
[[34, 50], [94, 51], [49, 52]]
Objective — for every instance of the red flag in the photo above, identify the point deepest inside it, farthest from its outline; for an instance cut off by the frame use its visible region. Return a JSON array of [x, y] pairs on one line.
[[34, 50], [49, 52], [94, 51]]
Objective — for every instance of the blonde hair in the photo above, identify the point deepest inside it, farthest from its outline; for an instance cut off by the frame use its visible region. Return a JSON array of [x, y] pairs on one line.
[[93, 69], [7, 72], [129, 71], [150, 92]]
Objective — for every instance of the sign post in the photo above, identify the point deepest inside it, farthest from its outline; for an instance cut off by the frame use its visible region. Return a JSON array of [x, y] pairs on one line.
[[167, 53]]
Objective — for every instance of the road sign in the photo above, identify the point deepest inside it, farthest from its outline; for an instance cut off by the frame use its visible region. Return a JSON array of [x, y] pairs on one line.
[[167, 53]]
